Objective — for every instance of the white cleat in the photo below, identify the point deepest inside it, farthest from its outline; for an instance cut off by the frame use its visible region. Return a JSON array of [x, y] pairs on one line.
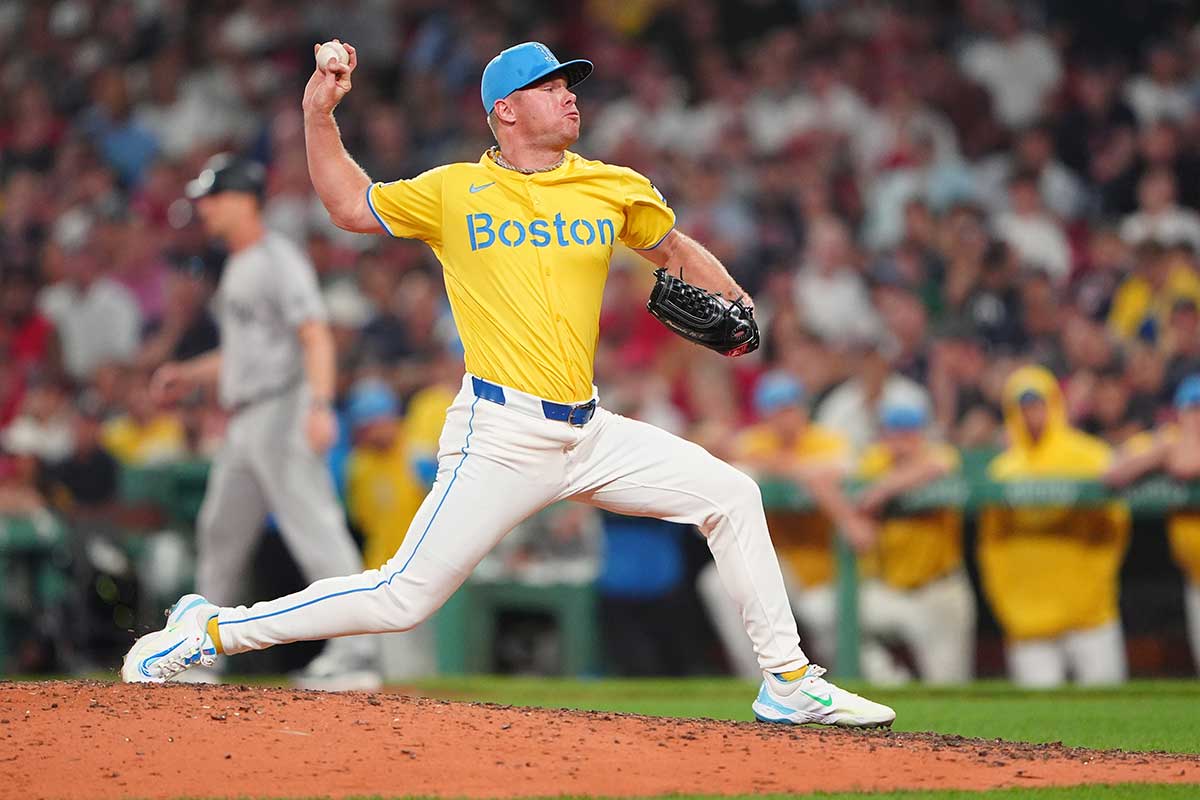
[[812, 699], [182, 643]]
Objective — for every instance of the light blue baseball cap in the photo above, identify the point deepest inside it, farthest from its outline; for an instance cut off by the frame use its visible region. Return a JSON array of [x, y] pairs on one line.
[[523, 64], [903, 417], [1188, 393], [776, 390], [370, 400]]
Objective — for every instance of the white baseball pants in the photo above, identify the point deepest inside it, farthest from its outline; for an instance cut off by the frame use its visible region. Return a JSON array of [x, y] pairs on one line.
[[1191, 600], [497, 465], [936, 622], [1093, 657], [815, 608]]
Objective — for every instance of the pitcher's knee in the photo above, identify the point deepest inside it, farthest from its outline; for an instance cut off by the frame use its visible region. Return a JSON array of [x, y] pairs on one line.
[[734, 497], [406, 610], [743, 490]]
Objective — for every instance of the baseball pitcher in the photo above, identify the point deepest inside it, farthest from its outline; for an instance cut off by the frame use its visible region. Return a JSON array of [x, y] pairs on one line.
[[525, 236]]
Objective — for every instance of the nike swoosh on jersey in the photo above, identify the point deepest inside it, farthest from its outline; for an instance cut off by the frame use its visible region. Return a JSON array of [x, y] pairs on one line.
[[480, 188]]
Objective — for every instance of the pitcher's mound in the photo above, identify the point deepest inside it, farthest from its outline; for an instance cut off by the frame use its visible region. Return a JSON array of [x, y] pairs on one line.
[[100, 740]]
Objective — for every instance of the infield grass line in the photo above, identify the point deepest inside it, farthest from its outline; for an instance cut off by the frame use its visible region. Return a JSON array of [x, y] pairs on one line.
[[1141, 715]]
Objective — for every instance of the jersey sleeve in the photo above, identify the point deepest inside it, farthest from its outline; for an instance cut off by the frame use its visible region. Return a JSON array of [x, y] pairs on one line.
[[648, 218], [299, 295], [411, 208]]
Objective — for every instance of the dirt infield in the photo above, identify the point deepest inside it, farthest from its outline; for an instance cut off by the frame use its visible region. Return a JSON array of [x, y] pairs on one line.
[[100, 740]]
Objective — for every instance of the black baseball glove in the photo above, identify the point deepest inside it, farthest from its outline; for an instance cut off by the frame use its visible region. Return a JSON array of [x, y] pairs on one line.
[[703, 317]]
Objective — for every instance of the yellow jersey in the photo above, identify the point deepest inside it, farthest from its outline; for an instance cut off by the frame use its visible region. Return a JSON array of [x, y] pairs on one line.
[[1183, 526], [913, 549], [382, 497], [159, 439], [1136, 303], [425, 417], [525, 259], [802, 539]]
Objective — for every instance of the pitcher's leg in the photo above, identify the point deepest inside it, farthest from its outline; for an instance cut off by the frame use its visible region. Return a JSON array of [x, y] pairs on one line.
[[474, 502], [634, 468], [726, 620]]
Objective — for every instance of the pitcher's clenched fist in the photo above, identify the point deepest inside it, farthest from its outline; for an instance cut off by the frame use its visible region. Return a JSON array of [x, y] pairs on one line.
[[329, 82]]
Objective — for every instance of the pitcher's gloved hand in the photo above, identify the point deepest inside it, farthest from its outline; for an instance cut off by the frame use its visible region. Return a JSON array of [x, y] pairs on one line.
[[703, 317]]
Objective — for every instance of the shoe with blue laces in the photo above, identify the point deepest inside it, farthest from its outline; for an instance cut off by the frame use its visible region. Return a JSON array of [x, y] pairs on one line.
[[181, 644]]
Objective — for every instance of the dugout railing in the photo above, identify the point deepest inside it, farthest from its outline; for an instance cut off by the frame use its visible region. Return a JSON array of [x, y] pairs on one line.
[[1152, 498]]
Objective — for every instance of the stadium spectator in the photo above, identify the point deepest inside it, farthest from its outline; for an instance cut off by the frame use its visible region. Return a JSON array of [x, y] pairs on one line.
[[916, 591], [43, 427], [20, 495], [29, 337], [851, 410], [1174, 450], [1158, 216], [1018, 66], [1161, 92], [124, 143], [383, 492], [1109, 413], [957, 369], [1181, 344], [829, 291], [1034, 154], [187, 327], [145, 434], [1032, 232], [96, 318], [85, 485], [1050, 574], [1142, 303]]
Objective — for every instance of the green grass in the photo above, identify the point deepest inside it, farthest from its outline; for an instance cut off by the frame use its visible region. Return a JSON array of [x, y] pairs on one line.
[[1143, 715], [1124, 791]]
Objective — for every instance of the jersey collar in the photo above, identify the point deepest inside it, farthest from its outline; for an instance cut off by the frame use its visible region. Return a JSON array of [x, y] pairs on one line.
[[489, 162]]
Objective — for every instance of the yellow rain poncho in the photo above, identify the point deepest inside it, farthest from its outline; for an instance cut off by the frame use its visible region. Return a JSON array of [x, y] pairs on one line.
[[1047, 571]]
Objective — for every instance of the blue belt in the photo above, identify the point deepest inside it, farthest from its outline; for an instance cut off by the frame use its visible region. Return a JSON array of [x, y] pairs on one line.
[[578, 415]]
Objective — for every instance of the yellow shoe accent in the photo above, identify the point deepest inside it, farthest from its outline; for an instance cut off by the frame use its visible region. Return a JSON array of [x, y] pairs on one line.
[[793, 675], [214, 633]]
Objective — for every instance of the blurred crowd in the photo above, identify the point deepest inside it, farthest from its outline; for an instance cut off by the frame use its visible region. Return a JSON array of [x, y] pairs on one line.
[[922, 197]]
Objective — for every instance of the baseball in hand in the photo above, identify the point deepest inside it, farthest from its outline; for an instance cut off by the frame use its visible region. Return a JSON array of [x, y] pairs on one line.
[[331, 51]]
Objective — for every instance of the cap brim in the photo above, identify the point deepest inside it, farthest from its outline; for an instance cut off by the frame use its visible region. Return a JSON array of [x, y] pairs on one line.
[[575, 72]]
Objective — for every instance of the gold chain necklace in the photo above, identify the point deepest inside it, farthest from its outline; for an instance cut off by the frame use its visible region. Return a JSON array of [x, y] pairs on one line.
[[499, 159]]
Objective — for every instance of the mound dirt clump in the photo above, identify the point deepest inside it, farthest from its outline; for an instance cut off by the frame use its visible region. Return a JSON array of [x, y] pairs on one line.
[[101, 740]]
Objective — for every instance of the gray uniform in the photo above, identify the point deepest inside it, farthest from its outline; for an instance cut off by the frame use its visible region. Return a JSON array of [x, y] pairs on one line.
[[266, 464]]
